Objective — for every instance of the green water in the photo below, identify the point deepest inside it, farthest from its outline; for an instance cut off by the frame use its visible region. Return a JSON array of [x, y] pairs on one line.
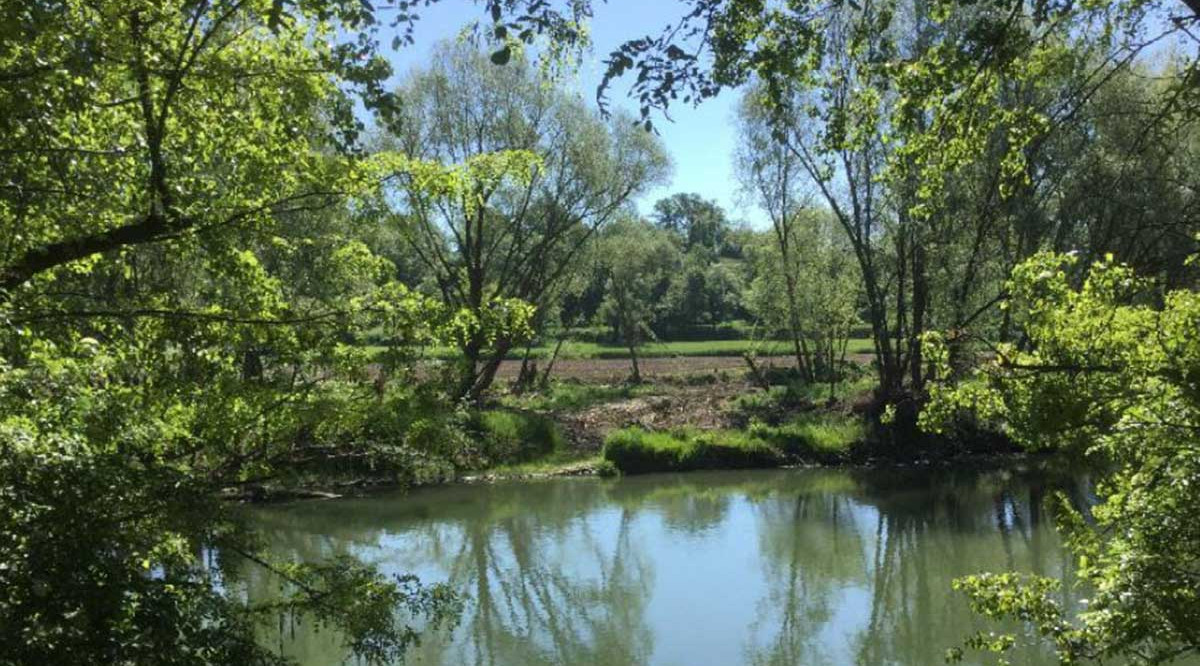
[[779, 567]]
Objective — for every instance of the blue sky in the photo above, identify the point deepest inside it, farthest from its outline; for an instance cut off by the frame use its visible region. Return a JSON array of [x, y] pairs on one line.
[[701, 139]]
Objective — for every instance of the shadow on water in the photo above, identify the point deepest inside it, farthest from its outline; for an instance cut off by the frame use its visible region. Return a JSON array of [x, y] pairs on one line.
[[766, 567]]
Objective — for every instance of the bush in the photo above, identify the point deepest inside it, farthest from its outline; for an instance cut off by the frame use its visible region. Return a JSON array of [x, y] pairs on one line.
[[637, 451], [512, 437]]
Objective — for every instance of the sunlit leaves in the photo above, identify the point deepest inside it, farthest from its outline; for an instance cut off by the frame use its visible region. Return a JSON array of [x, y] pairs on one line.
[[1110, 371]]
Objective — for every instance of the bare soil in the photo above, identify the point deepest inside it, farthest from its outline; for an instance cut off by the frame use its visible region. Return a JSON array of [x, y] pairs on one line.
[[608, 370], [706, 406]]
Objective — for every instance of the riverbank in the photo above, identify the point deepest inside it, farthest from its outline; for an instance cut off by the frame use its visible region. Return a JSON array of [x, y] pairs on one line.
[[674, 422], [705, 420]]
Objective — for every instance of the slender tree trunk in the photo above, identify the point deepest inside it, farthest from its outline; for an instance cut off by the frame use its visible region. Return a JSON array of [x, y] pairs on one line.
[[527, 375], [920, 303], [636, 378], [885, 359], [471, 353], [802, 365], [545, 380], [782, 238], [756, 374], [832, 369]]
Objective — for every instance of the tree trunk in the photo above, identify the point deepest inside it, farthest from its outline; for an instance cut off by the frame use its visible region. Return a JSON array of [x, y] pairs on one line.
[[890, 375], [636, 377], [920, 303], [756, 374], [545, 380], [487, 374], [470, 362], [527, 375], [802, 365]]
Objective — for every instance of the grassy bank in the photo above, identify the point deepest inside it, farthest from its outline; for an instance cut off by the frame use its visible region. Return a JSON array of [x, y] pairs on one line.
[[823, 438], [636, 451]]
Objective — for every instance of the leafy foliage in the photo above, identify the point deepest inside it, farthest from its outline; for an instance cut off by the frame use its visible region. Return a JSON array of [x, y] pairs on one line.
[[182, 272], [1110, 373], [638, 262], [545, 174]]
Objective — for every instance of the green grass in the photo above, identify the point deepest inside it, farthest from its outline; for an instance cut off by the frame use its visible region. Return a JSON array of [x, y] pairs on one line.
[[509, 437], [815, 436], [808, 438], [594, 350], [557, 463], [637, 451]]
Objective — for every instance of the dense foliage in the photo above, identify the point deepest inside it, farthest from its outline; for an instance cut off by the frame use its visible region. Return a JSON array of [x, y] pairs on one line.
[[182, 267], [509, 238], [197, 237], [1110, 371]]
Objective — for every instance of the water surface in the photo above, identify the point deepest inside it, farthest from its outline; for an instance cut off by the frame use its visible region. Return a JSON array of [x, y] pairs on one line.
[[768, 567]]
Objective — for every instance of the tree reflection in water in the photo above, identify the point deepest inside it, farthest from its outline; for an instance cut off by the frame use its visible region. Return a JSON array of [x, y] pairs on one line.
[[845, 567]]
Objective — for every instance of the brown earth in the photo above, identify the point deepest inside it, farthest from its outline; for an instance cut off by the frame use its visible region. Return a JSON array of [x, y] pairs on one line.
[[609, 370], [691, 391], [704, 406]]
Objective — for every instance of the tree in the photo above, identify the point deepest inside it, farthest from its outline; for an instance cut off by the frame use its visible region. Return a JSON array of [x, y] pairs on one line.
[[1110, 373], [771, 175], [174, 176], [806, 285], [510, 238], [697, 222], [835, 144], [639, 261]]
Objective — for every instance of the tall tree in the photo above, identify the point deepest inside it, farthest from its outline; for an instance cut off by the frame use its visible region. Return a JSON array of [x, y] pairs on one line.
[[833, 131], [809, 251], [510, 239], [173, 175], [638, 261], [698, 222]]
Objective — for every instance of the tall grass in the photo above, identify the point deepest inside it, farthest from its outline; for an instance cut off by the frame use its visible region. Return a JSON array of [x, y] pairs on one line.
[[816, 437], [514, 437], [635, 451], [823, 438]]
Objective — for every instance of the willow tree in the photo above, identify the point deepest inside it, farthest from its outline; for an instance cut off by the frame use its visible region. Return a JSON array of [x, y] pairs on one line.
[[509, 240]]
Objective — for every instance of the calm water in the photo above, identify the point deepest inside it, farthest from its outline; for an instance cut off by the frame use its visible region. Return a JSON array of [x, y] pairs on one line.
[[783, 567]]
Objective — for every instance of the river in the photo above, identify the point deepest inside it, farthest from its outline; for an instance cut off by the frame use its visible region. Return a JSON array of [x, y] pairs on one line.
[[726, 568]]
